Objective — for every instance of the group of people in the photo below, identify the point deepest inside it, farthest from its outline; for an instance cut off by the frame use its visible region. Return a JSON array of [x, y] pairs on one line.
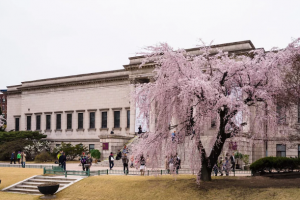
[[86, 161], [173, 163], [61, 156], [21, 157], [224, 165]]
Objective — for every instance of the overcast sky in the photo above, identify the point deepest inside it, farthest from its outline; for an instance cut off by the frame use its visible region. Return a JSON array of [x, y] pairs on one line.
[[44, 39]]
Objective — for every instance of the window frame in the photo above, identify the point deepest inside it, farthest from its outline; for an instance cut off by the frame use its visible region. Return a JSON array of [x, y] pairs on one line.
[[80, 121], [48, 122], [128, 118], [28, 124], [71, 120], [92, 124], [102, 119], [38, 122], [17, 125], [281, 112], [58, 121], [117, 119], [280, 152], [90, 147]]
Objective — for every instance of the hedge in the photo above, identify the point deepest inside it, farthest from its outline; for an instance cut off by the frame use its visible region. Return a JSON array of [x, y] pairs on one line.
[[275, 163]]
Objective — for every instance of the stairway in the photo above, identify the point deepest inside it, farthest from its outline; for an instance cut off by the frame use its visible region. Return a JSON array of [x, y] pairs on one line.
[[29, 186], [118, 163]]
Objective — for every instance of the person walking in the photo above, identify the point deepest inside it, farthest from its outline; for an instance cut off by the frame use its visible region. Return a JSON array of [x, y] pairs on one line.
[[125, 163], [220, 166], [23, 159], [89, 162], [173, 136], [83, 160], [125, 149], [142, 167], [111, 160], [12, 158], [171, 164], [215, 169], [140, 131], [167, 164], [131, 160], [226, 166], [177, 163], [19, 157], [232, 159], [62, 160], [58, 156]]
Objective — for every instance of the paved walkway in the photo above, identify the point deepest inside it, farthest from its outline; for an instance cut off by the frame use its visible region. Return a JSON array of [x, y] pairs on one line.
[[75, 167]]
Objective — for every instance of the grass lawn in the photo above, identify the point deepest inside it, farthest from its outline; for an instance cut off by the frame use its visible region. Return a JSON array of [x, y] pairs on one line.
[[10, 175], [163, 187]]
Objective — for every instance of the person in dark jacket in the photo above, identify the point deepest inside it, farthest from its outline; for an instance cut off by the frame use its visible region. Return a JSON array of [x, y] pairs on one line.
[[111, 160], [140, 131], [62, 160], [12, 158], [83, 160], [177, 163], [119, 155], [125, 163]]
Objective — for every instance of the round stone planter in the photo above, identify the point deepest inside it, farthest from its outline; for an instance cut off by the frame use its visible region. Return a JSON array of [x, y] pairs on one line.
[[48, 190]]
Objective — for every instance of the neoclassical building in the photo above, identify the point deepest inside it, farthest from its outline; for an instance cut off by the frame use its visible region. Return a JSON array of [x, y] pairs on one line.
[[86, 108]]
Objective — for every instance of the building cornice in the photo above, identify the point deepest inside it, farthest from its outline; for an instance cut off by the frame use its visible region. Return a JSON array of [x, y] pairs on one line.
[[69, 83]]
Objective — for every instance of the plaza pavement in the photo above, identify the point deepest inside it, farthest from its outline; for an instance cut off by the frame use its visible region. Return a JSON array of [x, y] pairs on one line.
[[75, 167]]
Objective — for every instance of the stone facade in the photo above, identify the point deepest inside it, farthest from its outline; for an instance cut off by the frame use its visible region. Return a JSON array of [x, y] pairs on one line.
[[96, 93], [3, 102]]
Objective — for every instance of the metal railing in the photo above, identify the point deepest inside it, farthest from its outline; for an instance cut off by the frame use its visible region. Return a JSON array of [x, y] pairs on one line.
[[60, 171]]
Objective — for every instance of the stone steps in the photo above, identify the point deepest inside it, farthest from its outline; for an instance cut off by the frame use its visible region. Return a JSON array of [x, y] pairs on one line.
[[29, 186]]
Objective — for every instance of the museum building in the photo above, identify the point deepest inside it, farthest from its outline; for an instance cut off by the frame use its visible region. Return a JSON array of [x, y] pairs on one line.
[[88, 108]]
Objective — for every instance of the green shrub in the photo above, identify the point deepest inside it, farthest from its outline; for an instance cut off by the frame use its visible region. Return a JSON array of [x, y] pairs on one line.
[[275, 163], [95, 153], [43, 157]]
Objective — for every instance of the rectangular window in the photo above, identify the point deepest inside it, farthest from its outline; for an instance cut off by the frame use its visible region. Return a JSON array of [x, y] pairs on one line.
[[104, 120], [38, 122], [92, 119], [128, 118], [17, 124], [116, 119], [28, 123], [91, 147], [58, 121], [298, 150], [69, 121], [281, 115], [80, 120], [48, 122], [280, 150], [57, 145]]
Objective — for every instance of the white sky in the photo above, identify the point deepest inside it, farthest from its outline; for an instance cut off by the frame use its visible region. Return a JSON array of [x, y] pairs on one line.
[[44, 39]]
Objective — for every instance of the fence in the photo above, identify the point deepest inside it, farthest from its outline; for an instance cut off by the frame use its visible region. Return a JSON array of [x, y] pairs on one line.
[[59, 171]]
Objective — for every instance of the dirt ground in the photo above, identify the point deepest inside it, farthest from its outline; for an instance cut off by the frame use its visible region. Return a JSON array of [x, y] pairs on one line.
[[276, 186], [288, 180]]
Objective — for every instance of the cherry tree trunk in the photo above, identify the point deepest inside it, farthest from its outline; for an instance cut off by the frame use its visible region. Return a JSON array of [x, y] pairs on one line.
[[205, 174]]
